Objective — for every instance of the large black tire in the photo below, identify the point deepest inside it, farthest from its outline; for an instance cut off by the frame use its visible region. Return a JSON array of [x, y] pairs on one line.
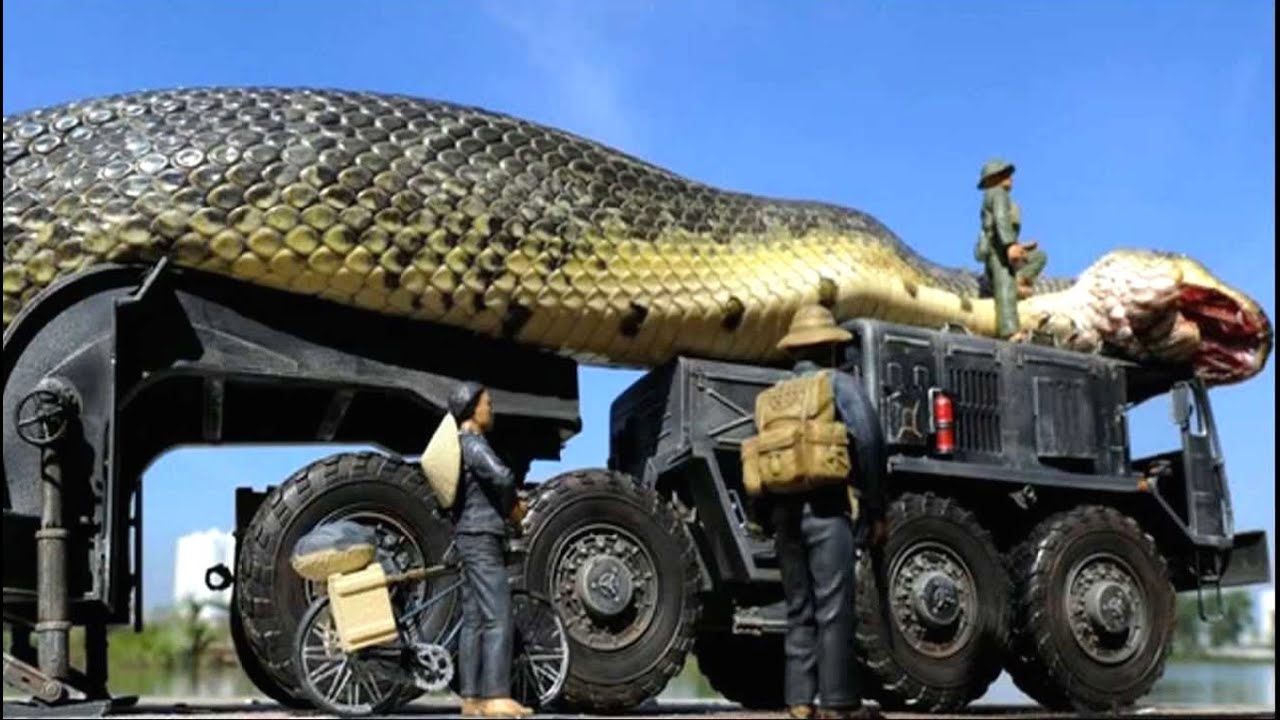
[[253, 668], [628, 656], [270, 596], [1079, 571], [940, 669], [746, 669], [1024, 669]]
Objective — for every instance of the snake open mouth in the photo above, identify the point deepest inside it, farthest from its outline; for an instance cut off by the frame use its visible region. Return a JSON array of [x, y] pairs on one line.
[[1234, 341]]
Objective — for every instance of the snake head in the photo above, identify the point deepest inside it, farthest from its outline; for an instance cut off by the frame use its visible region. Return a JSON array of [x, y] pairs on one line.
[[1157, 307]]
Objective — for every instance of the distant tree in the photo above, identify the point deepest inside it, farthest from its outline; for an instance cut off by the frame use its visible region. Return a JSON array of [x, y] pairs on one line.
[[1187, 625], [1237, 618], [197, 635]]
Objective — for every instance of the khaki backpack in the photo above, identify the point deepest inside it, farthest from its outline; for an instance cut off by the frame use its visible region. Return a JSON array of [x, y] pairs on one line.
[[801, 444]]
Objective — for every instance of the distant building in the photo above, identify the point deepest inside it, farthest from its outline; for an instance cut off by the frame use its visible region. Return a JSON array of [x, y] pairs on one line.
[[196, 553]]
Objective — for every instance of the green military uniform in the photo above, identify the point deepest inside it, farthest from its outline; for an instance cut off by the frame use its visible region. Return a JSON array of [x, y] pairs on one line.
[[1001, 224]]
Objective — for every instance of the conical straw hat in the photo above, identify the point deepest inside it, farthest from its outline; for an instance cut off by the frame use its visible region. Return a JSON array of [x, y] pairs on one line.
[[442, 461]]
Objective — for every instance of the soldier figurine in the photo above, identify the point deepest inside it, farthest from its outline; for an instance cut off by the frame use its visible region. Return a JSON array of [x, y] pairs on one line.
[[1011, 266], [815, 537], [486, 497]]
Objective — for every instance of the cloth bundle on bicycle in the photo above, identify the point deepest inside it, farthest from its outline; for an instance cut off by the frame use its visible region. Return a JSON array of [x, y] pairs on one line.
[[342, 546], [802, 444]]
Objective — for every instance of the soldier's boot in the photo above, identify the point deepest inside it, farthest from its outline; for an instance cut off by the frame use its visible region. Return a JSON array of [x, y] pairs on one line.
[[504, 708], [800, 712], [470, 707]]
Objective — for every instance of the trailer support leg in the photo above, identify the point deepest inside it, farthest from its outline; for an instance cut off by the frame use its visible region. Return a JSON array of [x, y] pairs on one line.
[[53, 623]]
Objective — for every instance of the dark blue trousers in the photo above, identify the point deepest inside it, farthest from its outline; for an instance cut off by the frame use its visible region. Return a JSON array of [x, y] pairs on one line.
[[815, 545], [484, 643]]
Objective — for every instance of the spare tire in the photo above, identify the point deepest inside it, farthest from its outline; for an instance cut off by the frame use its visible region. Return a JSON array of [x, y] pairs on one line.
[[384, 492], [620, 567]]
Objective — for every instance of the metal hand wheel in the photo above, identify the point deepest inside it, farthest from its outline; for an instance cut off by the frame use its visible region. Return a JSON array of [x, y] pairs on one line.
[[41, 417]]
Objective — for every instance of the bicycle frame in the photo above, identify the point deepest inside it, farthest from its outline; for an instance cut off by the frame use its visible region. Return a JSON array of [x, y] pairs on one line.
[[454, 625]]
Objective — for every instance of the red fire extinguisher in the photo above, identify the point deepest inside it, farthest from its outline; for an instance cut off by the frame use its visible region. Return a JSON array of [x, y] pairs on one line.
[[944, 417]]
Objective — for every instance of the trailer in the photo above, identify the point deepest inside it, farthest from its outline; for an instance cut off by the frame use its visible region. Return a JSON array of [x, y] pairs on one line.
[[115, 366], [656, 556]]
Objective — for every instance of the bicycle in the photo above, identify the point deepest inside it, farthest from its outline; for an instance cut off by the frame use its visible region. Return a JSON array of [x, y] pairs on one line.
[[379, 679]]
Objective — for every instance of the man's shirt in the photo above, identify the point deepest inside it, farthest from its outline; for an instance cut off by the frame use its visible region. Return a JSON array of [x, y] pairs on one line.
[[487, 488]]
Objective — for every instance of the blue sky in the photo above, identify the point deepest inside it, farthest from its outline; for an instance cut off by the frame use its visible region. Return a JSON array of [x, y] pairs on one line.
[[1132, 124]]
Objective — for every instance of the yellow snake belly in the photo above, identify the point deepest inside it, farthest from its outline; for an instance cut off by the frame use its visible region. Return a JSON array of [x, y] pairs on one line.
[[456, 215]]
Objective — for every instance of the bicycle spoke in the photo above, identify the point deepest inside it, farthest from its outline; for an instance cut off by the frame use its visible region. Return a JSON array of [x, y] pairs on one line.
[[370, 683], [353, 689], [326, 669], [339, 684], [544, 672], [311, 653]]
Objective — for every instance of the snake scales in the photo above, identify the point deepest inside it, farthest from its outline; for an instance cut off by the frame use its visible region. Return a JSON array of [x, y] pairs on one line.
[[460, 216]]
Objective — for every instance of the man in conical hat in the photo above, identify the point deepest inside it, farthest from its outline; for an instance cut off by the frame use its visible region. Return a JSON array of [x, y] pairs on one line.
[[486, 497], [815, 536]]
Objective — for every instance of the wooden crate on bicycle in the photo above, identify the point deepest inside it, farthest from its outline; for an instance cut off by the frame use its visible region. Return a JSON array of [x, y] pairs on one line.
[[361, 605]]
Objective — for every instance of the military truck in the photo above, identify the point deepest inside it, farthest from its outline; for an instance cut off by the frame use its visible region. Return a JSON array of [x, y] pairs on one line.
[[1022, 533]]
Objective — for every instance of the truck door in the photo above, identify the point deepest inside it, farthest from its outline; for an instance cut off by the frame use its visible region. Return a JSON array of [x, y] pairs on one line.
[[1208, 504]]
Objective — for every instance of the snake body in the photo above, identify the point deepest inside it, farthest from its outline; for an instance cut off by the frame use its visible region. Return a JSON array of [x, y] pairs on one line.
[[461, 216]]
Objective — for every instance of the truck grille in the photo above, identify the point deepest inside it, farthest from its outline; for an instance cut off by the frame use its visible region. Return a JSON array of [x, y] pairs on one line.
[[975, 395]]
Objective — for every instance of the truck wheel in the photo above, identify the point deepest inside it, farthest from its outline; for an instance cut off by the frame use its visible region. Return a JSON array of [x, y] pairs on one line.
[[746, 669], [619, 566], [384, 492], [937, 647], [1023, 669], [1095, 609], [253, 668]]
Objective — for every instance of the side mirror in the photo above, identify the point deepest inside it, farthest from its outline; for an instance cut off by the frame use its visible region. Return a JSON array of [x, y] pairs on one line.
[[1181, 397]]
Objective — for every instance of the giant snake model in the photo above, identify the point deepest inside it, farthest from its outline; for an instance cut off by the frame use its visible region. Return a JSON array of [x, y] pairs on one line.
[[460, 216]]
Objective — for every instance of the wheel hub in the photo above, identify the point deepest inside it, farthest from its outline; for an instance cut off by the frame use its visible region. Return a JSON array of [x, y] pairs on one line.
[[605, 585], [1109, 607], [936, 599], [1106, 608]]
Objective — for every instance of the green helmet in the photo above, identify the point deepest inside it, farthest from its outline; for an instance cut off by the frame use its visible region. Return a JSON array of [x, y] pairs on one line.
[[993, 168]]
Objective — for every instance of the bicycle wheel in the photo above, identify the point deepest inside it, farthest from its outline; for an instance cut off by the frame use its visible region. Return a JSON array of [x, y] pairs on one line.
[[540, 655], [339, 682]]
